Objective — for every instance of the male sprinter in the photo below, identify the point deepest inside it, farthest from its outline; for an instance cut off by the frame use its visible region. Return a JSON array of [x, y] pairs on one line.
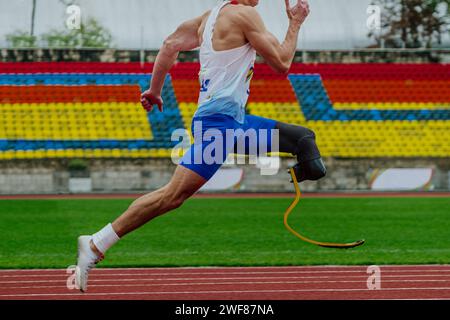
[[229, 37]]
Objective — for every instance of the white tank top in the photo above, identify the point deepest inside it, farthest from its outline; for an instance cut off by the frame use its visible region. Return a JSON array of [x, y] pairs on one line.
[[224, 75]]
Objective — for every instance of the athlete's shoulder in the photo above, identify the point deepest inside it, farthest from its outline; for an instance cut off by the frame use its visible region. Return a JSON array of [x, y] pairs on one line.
[[244, 14], [245, 10], [204, 16]]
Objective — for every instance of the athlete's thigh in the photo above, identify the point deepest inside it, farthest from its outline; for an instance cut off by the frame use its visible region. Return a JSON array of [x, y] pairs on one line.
[[185, 181], [263, 130]]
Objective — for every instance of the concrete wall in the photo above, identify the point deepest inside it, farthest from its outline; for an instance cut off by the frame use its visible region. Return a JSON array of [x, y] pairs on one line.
[[121, 175]]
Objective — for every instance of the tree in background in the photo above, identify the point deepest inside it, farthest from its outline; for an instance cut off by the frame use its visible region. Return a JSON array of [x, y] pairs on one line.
[[412, 23], [90, 35], [24, 39]]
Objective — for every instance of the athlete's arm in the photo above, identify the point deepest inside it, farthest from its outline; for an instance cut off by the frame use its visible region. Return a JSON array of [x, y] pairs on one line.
[[278, 56], [183, 39]]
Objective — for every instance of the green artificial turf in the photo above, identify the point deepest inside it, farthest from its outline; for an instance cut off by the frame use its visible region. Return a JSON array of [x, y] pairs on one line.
[[231, 232]]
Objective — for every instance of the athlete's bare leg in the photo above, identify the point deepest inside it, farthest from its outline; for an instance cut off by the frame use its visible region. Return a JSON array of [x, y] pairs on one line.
[[182, 186]]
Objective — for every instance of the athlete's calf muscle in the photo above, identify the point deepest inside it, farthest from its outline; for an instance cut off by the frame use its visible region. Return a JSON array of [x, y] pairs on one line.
[[182, 186]]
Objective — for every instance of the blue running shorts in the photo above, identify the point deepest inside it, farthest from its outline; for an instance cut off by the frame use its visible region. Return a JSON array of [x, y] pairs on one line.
[[212, 145]]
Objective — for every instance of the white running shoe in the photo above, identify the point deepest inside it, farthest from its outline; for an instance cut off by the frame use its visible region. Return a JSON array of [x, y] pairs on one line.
[[87, 259]]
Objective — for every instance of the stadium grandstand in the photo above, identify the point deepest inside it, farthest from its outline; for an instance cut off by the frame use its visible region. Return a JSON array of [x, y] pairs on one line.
[[61, 105], [68, 110]]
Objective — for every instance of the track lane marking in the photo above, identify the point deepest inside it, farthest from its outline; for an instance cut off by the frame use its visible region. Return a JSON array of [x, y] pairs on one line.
[[211, 278], [425, 266], [226, 283], [101, 274], [220, 292]]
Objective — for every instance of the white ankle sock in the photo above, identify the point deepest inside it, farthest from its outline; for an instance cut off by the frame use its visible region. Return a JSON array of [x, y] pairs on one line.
[[105, 238]]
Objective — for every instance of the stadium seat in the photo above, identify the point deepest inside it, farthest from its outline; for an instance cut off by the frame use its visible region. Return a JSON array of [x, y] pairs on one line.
[[70, 110]]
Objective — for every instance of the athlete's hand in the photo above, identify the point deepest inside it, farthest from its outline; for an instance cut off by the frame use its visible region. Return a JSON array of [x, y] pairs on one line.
[[298, 12], [149, 99]]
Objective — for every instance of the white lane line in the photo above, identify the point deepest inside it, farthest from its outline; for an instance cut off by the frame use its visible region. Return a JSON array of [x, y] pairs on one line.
[[221, 283], [101, 274], [362, 267], [219, 292], [417, 299], [222, 278]]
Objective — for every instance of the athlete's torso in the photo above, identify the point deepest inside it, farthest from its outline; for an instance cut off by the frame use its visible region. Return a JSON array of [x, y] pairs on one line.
[[226, 61]]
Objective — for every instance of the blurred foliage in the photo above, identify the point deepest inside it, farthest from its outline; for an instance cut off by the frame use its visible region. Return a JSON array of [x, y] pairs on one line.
[[90, 35], [77, 165], [21, 39], [412, 23]]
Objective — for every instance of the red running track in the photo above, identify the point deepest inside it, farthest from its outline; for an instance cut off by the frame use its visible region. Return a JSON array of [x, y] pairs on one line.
[[233, 283]]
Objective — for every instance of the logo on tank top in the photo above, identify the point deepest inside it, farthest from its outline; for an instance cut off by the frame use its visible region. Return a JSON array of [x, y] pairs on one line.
[[250, 74], [204, 85], [249, 77]]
